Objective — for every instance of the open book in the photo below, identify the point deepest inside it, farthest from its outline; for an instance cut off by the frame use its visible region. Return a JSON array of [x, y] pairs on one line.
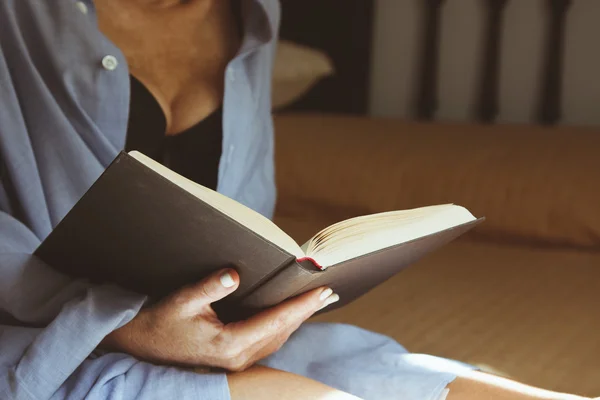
[[144, 227]]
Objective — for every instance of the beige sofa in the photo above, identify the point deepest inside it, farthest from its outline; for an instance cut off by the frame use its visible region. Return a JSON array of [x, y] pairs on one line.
[[521, 294]]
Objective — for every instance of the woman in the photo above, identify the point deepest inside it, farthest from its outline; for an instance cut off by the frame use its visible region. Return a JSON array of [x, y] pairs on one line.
[[186, 82]]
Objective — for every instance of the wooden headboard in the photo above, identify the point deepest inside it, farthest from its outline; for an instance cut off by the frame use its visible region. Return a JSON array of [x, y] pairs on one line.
[[344, 30]]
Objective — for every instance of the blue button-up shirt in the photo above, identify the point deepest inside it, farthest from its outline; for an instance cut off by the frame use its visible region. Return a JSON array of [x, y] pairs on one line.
[[64, 100]]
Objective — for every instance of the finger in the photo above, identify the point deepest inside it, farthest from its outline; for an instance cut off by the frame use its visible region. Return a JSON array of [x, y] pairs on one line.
[[195, 298], [269, 347], [273, 343], [280, 318], [243, 357]]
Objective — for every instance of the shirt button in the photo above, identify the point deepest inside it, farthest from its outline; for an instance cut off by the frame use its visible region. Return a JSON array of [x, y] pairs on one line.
[[82, 7], [110, 63]]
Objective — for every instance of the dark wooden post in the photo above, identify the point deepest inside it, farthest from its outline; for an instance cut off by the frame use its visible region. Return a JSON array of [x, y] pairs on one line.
[[487, 98], [426, 101], [550, 101]]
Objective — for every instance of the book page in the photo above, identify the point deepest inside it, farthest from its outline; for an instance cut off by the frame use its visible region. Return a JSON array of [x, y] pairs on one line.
[[363, 235], [247, 217]]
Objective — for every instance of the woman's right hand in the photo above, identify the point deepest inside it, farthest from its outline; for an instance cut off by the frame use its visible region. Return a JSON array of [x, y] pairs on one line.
[[184, 330]]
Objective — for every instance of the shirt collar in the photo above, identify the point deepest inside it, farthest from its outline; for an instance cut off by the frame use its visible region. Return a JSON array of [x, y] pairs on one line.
[[261, 20]]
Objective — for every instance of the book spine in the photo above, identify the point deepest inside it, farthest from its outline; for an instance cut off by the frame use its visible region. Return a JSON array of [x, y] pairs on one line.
[[289, 280]]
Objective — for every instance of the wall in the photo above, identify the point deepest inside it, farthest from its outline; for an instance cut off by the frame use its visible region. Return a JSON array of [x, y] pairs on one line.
[[396, 39]]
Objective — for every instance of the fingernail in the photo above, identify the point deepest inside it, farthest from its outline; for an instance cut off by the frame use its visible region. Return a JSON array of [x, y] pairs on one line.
[[326, 293], [227, 280], [330, 300]]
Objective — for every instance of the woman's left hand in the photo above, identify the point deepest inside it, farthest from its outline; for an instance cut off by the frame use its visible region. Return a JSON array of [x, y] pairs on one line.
[[185, 330]]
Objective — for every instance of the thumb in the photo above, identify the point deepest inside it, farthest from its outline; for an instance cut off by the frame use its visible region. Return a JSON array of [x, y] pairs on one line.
[[214, 287]]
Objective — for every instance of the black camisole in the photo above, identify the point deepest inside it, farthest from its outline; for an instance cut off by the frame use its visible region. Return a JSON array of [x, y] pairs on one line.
[[194, 153]]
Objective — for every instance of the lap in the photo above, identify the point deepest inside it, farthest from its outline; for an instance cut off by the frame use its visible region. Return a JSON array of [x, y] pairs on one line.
[[363, 363], [340, 358], [266, 384]]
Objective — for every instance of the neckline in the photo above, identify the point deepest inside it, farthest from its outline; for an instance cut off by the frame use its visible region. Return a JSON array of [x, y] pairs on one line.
[[154, 111]]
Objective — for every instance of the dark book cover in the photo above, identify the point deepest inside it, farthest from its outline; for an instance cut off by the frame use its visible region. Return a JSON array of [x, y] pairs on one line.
[[353, 278], [139, 230], [136, 229]]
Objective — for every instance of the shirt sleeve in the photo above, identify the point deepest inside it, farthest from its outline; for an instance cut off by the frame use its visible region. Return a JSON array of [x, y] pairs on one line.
[[57, 323], [118, 376]]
